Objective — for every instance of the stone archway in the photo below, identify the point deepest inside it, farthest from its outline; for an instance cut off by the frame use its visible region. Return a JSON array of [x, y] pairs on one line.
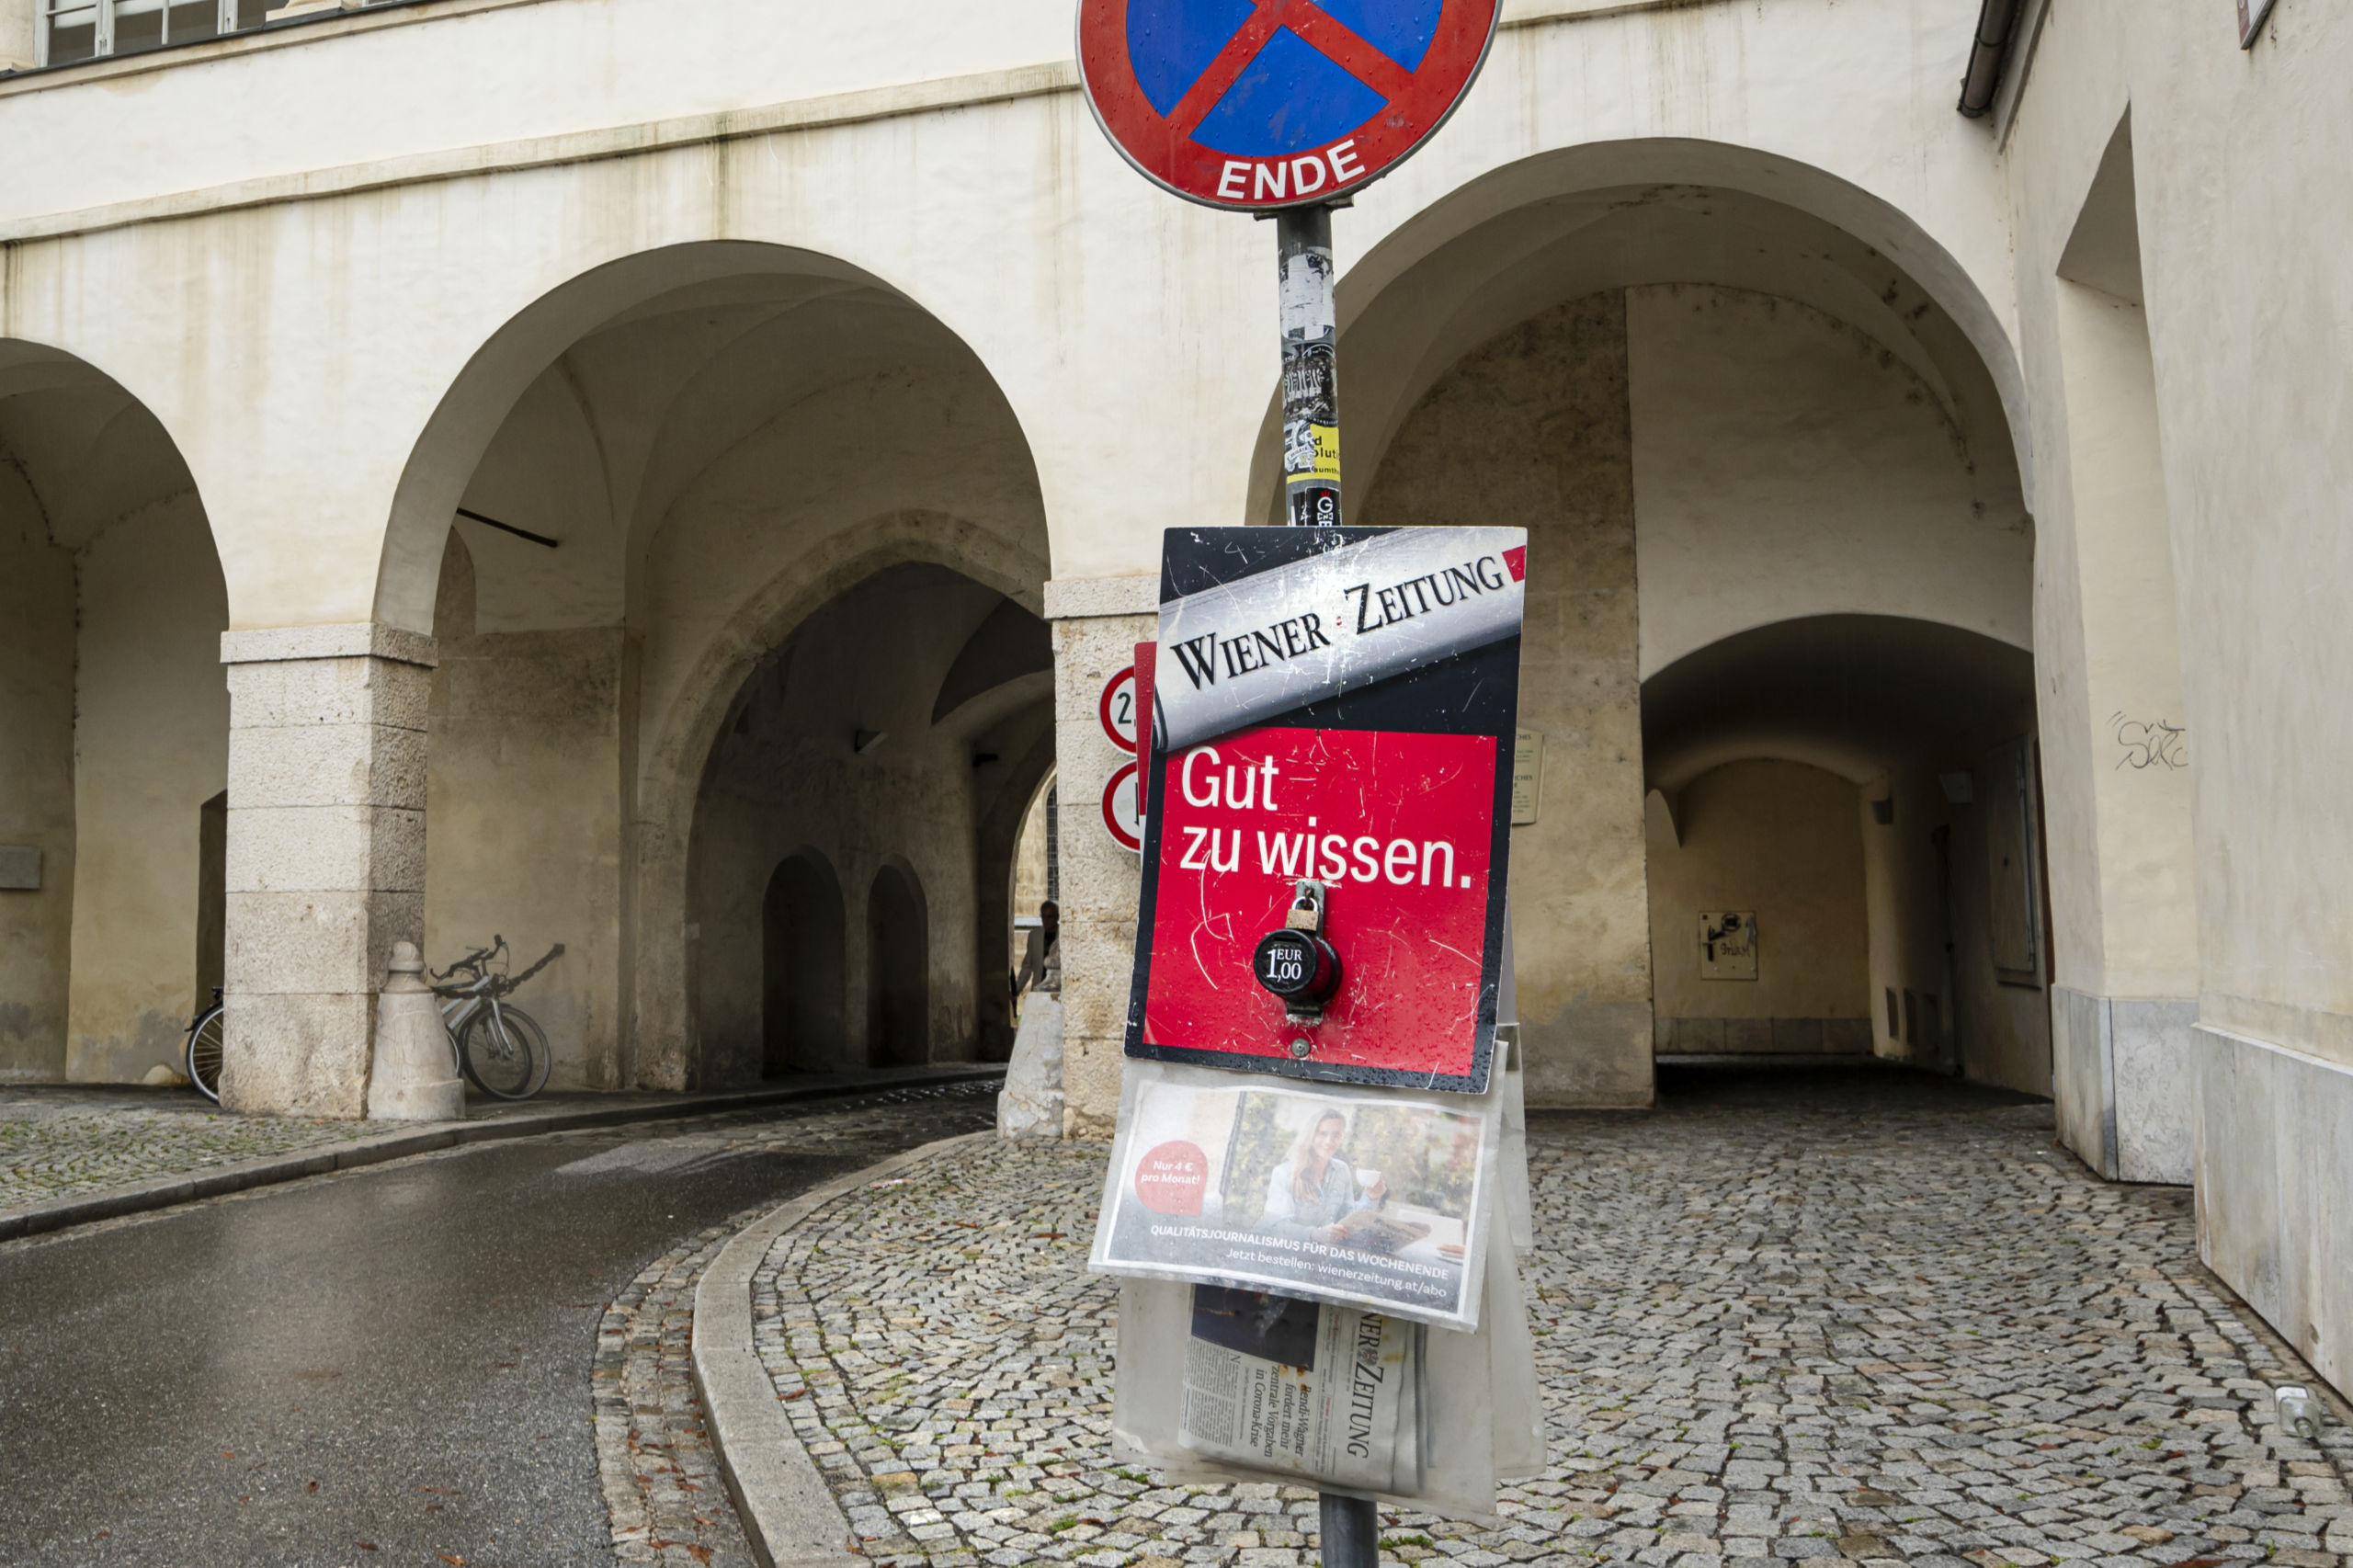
[[114, 731], [893, 730], [898, 964], [802, 939], [1714, 408], [657, 473]]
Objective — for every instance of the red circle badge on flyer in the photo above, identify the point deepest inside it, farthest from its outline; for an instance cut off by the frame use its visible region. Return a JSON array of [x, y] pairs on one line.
[[1280, 103], [1171, 1177]]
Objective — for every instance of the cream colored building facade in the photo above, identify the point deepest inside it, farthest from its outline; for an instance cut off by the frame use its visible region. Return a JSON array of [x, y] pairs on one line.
[[674, 481]]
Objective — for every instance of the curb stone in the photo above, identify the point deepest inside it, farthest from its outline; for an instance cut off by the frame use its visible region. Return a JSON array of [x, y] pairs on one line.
[[167, 1191], [788, 1512]]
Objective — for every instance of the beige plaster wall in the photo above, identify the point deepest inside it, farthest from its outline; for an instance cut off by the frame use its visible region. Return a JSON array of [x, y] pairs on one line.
[[1533, 429], [2245, 317], [965, 174], [1787, 463], [36, 784], [2250, 411], [150, 747], [1777, 838], [2116, 744], [523, 826], [2138, 935]]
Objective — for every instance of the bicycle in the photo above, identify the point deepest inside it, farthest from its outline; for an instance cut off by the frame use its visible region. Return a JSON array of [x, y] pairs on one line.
[[203, 1053], [501, 1049]]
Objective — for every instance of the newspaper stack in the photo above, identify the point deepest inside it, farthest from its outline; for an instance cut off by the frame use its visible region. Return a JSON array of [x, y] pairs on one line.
[[1328, 1393]]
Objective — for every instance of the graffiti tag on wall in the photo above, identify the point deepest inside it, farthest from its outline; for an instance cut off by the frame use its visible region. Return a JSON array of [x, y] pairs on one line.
[[2149, 743]]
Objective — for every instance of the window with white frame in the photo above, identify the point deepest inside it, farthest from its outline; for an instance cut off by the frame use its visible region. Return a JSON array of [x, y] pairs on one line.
[[85, 29]]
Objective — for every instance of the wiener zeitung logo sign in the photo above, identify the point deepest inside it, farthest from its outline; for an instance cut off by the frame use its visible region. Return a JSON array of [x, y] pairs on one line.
[[1330, 767], [1284, 102], [1373, 605]]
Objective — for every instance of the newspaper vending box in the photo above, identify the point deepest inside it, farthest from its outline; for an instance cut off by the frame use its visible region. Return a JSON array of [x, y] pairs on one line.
[[1307, 1186]]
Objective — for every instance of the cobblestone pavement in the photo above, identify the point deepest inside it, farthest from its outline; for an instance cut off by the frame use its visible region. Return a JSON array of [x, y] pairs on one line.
[[59, 1143], [1855, 1322], [661, 1481]]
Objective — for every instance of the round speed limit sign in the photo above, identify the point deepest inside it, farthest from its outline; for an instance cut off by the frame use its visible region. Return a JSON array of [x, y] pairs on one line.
[[1118, 709], [1120, 817]]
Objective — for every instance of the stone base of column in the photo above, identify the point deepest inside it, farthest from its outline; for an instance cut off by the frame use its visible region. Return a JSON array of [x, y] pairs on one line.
[[2274, 1159], [326, 856], [2120, 1073], [1097, 623]]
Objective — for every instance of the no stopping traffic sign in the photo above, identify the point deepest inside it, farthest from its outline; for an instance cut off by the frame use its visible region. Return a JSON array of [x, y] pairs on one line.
[[1254, 107]]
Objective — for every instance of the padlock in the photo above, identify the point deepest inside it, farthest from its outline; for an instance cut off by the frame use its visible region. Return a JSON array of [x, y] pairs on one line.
[[1295, 963]]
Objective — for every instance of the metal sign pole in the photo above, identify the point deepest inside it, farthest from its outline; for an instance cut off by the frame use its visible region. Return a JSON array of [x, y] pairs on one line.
[[1311, 375], [1351, 1532], [1351, 1526]]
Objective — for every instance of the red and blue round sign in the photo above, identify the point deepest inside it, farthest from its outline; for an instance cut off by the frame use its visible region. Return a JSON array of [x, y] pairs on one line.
[[1254, 105]]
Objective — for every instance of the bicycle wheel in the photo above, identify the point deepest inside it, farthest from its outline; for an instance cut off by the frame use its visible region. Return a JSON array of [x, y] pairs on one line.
[[204, 1053], [504, 1053]]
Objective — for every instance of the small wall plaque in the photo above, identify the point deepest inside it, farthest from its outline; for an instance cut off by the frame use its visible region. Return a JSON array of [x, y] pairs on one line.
[[20, 868], [1728, 944]]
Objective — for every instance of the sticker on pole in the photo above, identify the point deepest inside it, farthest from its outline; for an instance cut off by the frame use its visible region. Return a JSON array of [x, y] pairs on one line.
[[1330, 767], [1254, 107]]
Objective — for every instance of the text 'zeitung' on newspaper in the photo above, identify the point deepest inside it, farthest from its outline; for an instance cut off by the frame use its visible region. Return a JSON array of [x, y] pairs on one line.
[[1326, 1394]]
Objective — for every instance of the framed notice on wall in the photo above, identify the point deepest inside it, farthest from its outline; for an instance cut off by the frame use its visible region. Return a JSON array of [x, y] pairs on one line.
[[2252, 14]]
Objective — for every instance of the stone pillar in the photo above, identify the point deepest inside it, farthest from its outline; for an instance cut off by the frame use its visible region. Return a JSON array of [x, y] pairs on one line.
[[1097, 621], [1535, 427], [2116, 751], [326, 855]]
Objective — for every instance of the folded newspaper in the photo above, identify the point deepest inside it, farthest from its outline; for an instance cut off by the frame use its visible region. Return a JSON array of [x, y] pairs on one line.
[[1325, 1393]]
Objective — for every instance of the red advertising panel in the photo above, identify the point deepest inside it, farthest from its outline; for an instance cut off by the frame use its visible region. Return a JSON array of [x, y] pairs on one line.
[[1324, 857], [1397, 828]]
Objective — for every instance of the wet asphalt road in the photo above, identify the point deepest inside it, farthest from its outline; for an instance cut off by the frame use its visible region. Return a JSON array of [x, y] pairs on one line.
[[397, 1356]]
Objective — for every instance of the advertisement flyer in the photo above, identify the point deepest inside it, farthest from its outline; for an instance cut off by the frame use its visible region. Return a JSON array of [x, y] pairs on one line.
[[1360, 1197]]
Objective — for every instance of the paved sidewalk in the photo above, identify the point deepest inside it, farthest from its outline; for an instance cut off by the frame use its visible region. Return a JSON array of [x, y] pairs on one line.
[[72, 1152], [1862, 1317], [663, 1491], [67, 1140]]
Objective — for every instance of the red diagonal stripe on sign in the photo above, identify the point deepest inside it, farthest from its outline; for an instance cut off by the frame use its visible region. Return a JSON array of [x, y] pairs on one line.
[[1317, 27], [1227, 67], [1340, 43]]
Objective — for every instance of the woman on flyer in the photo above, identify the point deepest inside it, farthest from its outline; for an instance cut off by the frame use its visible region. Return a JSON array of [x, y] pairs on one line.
[[1311, 1192]]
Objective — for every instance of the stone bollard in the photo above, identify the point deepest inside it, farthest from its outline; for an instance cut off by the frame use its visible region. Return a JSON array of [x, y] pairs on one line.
[[1030, 1104], [414, 1077]]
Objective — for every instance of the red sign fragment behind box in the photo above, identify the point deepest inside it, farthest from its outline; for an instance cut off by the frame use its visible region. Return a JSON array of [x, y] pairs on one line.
[[1398, 826]]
